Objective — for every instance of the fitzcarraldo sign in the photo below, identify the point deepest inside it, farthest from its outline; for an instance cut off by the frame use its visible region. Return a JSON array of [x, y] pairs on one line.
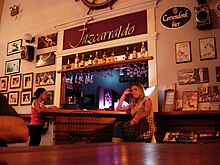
[[175, 17]]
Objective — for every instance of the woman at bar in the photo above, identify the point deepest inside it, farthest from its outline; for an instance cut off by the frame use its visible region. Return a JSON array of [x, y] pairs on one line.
[[37, 122], [139, 107]]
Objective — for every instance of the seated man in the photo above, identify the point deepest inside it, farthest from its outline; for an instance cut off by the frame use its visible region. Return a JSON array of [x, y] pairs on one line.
[[12, 128]]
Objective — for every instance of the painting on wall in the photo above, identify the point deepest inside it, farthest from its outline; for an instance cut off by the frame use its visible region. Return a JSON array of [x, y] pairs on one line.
[[218, 74], [13, 98], [183, 52], [207, 48], [50, 97], [45, 78], [14, 47], [3, 83], [45, 59], [27, 81], [193, 76], [47, 41], [190, 100], [209, 94], [12, 66], [15, 81], [26, 97]]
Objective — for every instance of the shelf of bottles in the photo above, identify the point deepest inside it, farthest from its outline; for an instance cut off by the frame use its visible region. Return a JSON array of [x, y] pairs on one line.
[[99, 60]]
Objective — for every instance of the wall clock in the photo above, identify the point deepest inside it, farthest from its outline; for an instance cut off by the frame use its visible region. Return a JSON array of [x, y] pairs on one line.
[[93, 4]]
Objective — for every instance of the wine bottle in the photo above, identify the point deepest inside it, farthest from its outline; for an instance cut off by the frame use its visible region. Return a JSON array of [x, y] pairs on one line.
[[134, 53], [90, 60], [82, 62], [112, 57], [127, 54], [143, 51], [104, 57], [68, 66], [96, 59], [76, 61]]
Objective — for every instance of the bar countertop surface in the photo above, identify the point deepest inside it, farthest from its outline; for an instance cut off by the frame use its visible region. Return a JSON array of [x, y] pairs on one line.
[[112, 154]]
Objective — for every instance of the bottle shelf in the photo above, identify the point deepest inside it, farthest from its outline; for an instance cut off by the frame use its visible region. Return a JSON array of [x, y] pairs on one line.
[[109, 65]]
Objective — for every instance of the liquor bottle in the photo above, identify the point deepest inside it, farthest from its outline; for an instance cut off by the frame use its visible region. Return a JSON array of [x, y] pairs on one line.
[[82, 62], [143, 51], [134, 53], [76, 61], [112, 57], [96, 59], [104, 57], [127, 54], [90, 60], [68, 66]]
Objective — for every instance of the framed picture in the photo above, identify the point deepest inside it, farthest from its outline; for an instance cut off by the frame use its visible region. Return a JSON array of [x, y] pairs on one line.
[[193, 76], [169, 102], [218, 73], [49, 99], [45, 78], [12, 66], [14, 47], [13, 98], [209, 94], [4, 83], [190, 100], [207, 48], [47, 41], [27, 81], [26, 97], [183, 52], [45, 59], [15, 81]]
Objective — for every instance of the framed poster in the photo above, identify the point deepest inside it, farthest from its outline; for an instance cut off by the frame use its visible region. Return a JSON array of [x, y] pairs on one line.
[[49, 99], [15, 81], [47, 41], [26, 97], [3, 83], [183, 52], [45, 59], [169, 102], [12, 66], [190, 100], [27, 81], [45, 78], [207, 48], [13, 98], [14, 47]]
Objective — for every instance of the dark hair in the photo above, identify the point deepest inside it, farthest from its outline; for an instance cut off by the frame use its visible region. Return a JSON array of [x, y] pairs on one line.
[[37, 93]]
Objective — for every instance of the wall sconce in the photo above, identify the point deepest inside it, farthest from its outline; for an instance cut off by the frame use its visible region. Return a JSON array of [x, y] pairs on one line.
[[14, 10], [28, 38]]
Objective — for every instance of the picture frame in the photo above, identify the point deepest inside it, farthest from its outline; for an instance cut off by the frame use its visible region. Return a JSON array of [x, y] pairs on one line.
[[26, 97], [45, 59], [190, 100], [169, 101], [3, 83], [193, 76], [12, 66], [45, 78], [183, 52], [14, 47], [47, 41], [207, 48], [50, 98], [209, 94], [15, 81], [13, 98], [27, 81], [217, 73]]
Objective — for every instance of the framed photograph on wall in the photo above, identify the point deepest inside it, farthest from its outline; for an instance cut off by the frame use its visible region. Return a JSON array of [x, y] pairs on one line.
[[47, 41], [14, 47], [209, 94], [218, 74], [15, 81], [12, 66], [190, 100], [4, 83], [45, 78], [207, 48], [26, 97], [49, 99], [183, 52], [45, 59], [27, 81], [169, 101], [13, 98]]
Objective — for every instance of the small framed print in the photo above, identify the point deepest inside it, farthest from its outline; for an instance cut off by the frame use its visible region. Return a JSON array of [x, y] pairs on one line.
[[27, 81], [12, 66], [49, 99], [14, 47], [13, 98], [183, 52], [169, 102], [26, 97], [47, 41], [45, 59], [190, 100], [45, 78], [207, 48], [15, 81], [4, 83], [218, 73]]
